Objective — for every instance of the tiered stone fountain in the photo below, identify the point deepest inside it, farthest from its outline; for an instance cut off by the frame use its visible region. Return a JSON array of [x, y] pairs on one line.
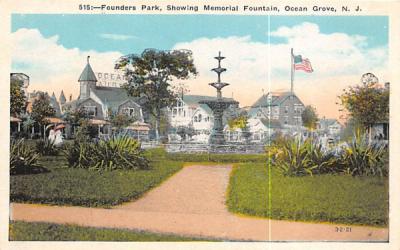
[[218, 106]]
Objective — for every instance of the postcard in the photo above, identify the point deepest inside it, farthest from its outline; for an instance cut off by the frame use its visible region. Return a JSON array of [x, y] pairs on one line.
[[200, 124]]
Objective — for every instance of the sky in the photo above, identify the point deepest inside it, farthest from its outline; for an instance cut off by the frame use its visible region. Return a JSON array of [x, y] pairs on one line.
[[52, 50]]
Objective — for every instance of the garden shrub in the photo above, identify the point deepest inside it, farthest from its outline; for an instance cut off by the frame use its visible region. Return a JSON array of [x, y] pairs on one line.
[[294, 157], [23, 159], [46, 147], [118, 152], [363, 158]]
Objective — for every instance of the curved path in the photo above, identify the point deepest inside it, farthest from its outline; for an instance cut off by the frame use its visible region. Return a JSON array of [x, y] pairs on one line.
[[192, 203]]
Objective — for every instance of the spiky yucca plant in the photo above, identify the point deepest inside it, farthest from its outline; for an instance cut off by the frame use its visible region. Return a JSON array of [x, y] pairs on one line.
[[22, 157], [46, 147], [365, 158], [118, 152]]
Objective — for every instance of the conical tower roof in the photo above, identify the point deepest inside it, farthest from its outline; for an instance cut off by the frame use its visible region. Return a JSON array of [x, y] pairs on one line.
[[62, 97], [87, 73]]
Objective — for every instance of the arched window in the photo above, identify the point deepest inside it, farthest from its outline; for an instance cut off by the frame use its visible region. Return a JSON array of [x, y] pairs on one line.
[[199, 117], [195, 119]]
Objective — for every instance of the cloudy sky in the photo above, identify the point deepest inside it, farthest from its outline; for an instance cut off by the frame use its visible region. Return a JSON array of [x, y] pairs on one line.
[[52, 50]]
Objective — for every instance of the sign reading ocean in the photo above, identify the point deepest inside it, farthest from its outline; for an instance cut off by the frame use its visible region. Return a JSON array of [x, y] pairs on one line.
[[112, 80]]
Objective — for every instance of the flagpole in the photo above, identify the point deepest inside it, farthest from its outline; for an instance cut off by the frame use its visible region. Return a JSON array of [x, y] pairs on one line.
[[291, 71]]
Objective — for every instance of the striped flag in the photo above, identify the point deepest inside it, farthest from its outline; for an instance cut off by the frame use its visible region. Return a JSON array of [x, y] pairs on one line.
[[300, 63]]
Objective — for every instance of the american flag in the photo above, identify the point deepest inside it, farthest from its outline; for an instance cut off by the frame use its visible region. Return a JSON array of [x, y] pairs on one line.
[[300, 63]]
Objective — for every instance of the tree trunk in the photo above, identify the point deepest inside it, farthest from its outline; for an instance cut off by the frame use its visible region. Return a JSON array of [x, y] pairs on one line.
[[158, 118]]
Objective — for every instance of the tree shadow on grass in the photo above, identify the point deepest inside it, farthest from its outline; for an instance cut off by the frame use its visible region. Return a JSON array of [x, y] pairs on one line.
[[30, 170]]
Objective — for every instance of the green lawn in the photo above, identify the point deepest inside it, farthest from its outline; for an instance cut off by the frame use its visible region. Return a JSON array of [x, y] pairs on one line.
[[27, 231], [63, 185], [329, 198]]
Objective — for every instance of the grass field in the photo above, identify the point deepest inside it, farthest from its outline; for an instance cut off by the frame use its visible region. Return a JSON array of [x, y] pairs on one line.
[[67, 186], [328, 198], [27, 231]]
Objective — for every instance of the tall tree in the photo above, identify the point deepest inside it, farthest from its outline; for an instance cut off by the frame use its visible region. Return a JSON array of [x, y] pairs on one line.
[[41, 109], [150, 75], [309, 117], [367, 104], [17, 98], [120, 121]]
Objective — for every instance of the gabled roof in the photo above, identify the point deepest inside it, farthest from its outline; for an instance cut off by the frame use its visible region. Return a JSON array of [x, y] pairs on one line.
[[113, 97], [87, 73], [327, 122], [272, 99]]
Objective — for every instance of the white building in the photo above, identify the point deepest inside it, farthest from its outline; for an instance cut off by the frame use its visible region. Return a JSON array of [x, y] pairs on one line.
[[329, 127], [188, 112]]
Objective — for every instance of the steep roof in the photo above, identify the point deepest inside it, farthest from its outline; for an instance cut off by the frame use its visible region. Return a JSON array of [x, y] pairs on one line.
[[113, 97], [272, 99], [87, 73], [62, 97], [327, 122]]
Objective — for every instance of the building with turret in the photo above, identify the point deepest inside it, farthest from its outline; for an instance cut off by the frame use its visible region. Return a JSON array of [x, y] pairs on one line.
[[100, 102]]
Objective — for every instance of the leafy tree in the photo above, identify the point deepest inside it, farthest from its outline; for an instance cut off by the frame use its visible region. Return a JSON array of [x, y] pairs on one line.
[[240, 121], [75, 117], [309, 117], [17, 98], [41, 109], [184, 131], [150, 74], [366, 104], [121, 120], [27, 123]]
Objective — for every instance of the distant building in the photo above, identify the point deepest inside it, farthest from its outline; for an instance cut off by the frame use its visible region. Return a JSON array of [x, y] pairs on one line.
[[283, 108], [188, 112], [329, 127], [101, 102]]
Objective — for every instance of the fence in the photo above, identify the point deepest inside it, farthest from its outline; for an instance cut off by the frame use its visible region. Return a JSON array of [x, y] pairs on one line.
[[219, 149]]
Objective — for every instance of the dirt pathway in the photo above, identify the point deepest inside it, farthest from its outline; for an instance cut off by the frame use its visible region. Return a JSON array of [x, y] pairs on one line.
[[192, 203]]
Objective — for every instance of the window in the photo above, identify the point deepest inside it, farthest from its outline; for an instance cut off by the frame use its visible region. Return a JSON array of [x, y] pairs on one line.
[[286, 109], [91, 111], [195, 119], [199, 119], [174, 112], [129, 111]]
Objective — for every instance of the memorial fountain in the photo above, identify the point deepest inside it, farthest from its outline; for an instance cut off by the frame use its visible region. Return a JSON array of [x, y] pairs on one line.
[[218, 106]]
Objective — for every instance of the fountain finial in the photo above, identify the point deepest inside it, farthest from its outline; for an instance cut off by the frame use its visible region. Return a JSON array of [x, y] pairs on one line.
[[218, 84]]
